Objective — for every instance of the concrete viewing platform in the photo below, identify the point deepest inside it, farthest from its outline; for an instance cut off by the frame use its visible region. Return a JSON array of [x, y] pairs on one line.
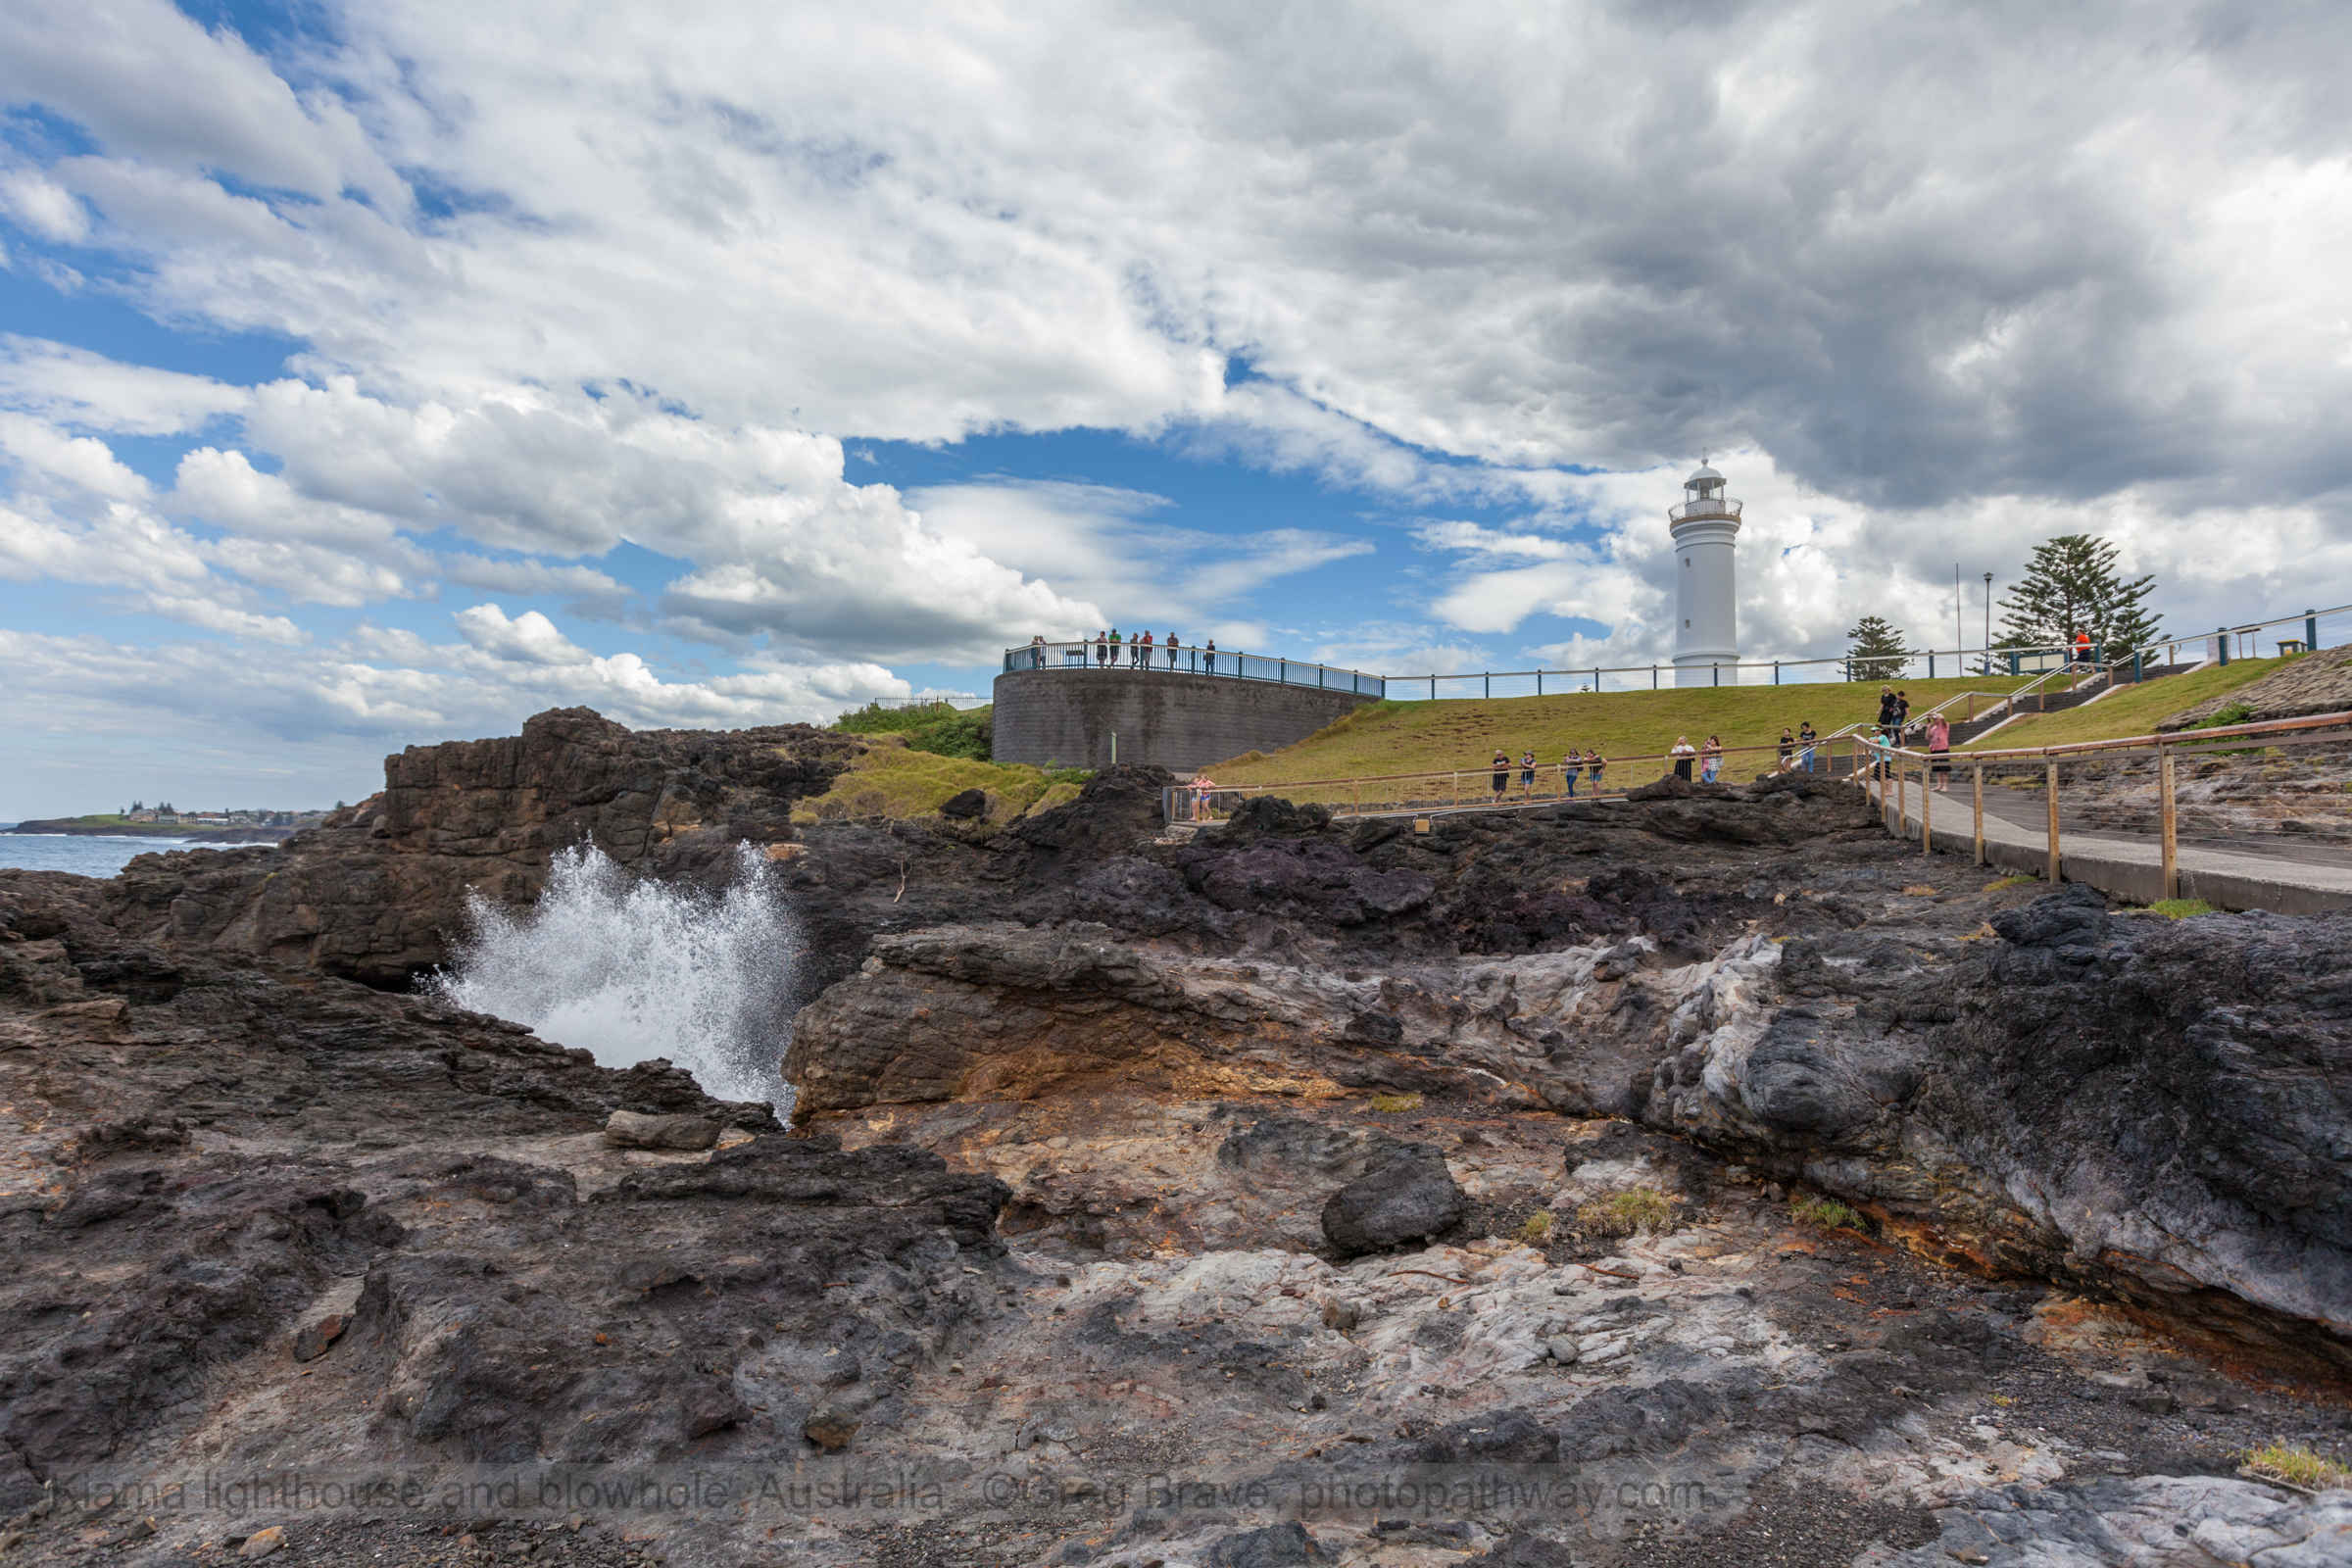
[[2290, 879]]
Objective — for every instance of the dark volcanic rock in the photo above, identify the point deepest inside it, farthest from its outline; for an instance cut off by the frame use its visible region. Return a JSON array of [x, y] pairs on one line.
[[376, 893], [1409, 1197], [522, 1292], [964, 805], [628, 1129]]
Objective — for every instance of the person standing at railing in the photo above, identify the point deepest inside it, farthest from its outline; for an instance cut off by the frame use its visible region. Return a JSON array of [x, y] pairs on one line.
[[1902, 715], [1526, 775], [1570, 766], [1138, 654], [1787, 749], [1889, 723], [1710, 760], [1682, 753], [1171, 650], [1503, 773], [1594, 763], [1940, 747], [1037, 652], [1101, 649], [1208, 657], [1809, 740]]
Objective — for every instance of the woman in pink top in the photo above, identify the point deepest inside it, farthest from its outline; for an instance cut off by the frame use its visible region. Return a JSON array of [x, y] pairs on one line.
[[1940, 747]]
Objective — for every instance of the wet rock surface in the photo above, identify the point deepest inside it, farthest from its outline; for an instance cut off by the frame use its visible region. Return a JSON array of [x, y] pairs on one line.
[[1056, 1232]]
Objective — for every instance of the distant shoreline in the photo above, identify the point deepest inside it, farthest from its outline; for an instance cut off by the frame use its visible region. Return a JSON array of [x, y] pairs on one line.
[[68, 828]]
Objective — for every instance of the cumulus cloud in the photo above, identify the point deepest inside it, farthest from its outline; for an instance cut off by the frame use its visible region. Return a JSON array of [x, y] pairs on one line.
[[1941, 281], [528, 638]]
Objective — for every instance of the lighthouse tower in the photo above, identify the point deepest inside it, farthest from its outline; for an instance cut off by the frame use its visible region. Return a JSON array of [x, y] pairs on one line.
[[1706, 629]]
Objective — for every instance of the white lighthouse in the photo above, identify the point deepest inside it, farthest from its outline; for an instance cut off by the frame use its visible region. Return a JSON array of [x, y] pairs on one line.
[[1706, 598]]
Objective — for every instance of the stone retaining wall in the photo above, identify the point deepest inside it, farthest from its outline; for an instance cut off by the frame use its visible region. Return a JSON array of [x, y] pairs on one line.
[[1162, 718]]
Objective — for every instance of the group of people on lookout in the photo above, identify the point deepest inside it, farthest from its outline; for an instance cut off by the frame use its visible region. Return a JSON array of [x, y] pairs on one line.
[[1114, 652]]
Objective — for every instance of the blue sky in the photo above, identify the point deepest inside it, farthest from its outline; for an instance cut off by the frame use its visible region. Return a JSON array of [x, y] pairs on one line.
[[371, 376]]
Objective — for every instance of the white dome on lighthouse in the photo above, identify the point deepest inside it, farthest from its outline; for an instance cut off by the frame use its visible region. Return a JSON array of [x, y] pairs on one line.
[[1705, 473]]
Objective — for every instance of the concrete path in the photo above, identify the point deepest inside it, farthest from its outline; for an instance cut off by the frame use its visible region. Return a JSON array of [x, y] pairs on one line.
[[2289, 879]]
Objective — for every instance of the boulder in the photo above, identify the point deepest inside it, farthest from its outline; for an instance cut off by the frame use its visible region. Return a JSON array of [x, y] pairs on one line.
[[966, 805], [629, 1129], [1272, 1547], [1410, 1198], [829, 1427]]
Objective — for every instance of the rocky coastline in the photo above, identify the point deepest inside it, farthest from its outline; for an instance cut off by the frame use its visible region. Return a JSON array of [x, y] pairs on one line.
[[1708, 1178]]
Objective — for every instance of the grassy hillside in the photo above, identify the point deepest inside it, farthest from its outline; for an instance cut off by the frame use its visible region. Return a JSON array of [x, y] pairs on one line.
[[1412, 737], [894, 780], [2133, 710]]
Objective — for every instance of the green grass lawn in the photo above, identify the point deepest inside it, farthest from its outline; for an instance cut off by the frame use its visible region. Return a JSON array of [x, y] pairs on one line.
[[1396, 737], [2132, 710]]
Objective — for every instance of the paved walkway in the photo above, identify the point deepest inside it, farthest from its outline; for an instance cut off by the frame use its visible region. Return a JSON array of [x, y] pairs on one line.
[[2288, 878]]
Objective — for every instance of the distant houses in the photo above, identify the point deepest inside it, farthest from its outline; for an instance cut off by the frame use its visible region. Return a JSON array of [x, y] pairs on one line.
[[167, 815]]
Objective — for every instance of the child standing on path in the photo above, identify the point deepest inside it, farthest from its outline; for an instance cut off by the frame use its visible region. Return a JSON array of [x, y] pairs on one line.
[[1503, 773], [1710, 760]]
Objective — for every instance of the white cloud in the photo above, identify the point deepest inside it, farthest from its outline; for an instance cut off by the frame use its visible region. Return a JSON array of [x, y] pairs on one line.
[[122, 547], [584, 584], [312, 575], [154, 86], [83, 463], [82, 390], [1944, 285], [1109, 548], [46, 208], [528, 638], [214, 616]]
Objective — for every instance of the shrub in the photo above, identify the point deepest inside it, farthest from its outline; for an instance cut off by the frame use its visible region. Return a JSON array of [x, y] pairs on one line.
[[881, 719], [2009, 882], [2224, 716], [1824, 1214], [934, 727], [1392, 1104], [2298, 1468], [1535, 1230], [1637, 1208]]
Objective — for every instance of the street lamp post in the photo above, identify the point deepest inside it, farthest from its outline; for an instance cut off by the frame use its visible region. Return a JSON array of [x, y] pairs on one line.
[[1989, 622]]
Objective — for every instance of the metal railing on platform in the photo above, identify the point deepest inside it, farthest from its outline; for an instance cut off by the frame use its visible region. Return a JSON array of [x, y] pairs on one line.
[[2319, 629], [1169, 658]]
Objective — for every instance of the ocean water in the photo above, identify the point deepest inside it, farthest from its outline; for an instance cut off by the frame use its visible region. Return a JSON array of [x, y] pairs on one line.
[[94, 855]]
